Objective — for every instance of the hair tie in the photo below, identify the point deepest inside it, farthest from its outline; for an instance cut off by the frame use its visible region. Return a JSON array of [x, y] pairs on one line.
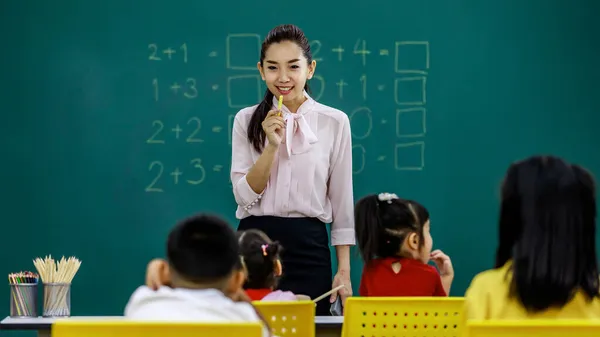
[[387, 197], [264, 249]]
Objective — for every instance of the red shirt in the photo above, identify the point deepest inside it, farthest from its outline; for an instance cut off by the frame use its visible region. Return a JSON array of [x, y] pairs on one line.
[[257, 294], [414, 279]]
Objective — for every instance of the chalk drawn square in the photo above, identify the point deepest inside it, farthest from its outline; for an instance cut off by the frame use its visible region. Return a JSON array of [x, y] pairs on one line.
[[412, 57], [243, 90], [410, 90], [411, 122], [409, 156], [242, 51]]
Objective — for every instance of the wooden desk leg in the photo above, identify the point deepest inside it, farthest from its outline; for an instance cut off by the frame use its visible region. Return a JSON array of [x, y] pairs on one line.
[[44, 333]]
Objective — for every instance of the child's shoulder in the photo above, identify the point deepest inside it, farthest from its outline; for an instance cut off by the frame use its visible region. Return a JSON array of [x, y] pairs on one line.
[[279, 295], [491, 278], [404, 264], [420, 268]]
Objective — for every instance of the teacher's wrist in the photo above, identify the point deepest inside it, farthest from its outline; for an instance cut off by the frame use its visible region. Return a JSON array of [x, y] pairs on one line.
[[272, 148], [343, 258]]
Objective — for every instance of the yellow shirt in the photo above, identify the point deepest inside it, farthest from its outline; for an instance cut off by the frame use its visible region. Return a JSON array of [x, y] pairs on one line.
[[487, 298]]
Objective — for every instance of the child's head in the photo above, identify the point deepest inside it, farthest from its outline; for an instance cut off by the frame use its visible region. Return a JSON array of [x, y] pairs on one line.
[[548, 229], [261, 258], [387, 226], [202, 252]]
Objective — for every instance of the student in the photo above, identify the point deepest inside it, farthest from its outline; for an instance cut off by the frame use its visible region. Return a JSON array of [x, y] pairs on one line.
[[263, 265], [205, 276], [395, 244], [546, 263]]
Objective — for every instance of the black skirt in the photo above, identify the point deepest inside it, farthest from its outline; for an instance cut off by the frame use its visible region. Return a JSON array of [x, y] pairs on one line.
[[306, 258]]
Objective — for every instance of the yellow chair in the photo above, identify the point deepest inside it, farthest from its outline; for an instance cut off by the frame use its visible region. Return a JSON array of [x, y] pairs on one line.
[[533, 328], [293, 318], [132, 328], [403, 316]]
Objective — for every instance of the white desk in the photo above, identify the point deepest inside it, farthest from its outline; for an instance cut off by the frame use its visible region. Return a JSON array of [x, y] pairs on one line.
[[326, 326]]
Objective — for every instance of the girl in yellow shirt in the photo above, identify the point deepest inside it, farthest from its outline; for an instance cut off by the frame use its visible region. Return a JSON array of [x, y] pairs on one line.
[[546, 262]]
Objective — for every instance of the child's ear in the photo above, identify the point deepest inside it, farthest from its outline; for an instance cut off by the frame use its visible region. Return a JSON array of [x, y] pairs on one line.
[[237, 281], [413, 241], [278, 268]]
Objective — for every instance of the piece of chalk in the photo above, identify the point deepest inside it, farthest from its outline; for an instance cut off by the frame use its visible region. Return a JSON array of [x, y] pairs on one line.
[[280, 102]]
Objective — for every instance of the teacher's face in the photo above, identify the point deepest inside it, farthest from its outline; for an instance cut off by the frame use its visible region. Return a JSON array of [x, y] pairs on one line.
[[285, 71]]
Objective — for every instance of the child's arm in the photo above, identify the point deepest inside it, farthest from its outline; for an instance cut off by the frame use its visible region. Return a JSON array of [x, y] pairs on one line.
[[447, 283], [157, 274], [444, 264]]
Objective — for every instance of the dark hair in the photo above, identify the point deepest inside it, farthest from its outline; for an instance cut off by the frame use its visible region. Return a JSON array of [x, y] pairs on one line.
[[260, 256], [203, 249], [256, 135], [382, 226], [548, 228]]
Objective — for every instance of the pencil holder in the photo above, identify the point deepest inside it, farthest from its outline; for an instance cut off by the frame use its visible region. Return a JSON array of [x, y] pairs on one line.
[[57, 300], [23, 300]]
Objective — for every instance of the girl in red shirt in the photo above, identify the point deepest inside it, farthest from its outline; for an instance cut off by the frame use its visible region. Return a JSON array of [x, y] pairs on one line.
[[261, 258], [395, 243]]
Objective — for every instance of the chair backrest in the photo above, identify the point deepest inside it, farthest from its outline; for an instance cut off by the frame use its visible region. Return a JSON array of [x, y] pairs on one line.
[[132, 328], [533, 328], [403, 316], [290, 318]]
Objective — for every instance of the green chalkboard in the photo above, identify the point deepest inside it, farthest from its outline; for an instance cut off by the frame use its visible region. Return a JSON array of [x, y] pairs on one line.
[[116, 116]]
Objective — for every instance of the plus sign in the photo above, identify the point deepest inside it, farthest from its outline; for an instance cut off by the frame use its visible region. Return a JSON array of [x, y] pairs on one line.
[[175, 87], [177, 130], [339, 50], [341, 85], [169, 52], [176, 173]]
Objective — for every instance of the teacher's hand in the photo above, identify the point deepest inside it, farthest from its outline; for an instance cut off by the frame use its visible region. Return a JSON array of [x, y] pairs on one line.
[[274, 127], [342, 277]]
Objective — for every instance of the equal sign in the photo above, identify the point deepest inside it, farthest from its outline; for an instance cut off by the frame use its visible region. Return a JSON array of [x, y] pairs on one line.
[[384, 52], [217, 168], [381, 158], [217, 129]]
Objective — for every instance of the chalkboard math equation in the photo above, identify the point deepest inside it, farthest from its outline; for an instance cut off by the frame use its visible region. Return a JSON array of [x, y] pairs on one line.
[[405, 84]]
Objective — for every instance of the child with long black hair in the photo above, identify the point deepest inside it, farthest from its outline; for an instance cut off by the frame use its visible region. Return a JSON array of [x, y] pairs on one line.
[[546, 262]]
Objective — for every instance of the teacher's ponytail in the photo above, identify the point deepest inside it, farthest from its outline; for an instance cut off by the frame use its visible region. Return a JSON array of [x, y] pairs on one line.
[[256, 134]]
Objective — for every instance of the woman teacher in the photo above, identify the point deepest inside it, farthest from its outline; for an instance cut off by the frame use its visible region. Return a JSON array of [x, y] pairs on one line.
[[291, 170]]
